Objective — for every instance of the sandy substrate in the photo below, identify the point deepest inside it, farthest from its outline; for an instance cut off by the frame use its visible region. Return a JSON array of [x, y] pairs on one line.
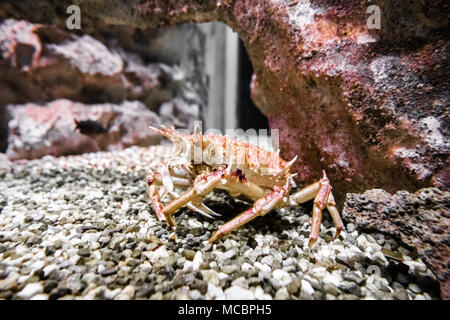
[[81, 227]]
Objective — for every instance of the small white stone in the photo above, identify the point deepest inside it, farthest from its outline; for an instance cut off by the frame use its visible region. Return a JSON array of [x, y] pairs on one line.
[[240, 282], [414, 288], [259, 293], [214, 292], [282, 277], [48, 269], [303, 264], [262, 267], [282, 294], [31, 290], [246, 266], [350, 227], [379, 258], [111, 294], [238, 293], [126, 294], [268, 260], [10, 282], [307, 288], [41, 296], [37, 265], [197, 261], [427, 296], [222, 275], [331, 278]]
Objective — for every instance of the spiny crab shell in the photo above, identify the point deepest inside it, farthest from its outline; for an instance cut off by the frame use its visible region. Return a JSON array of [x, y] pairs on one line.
[[207, 162]]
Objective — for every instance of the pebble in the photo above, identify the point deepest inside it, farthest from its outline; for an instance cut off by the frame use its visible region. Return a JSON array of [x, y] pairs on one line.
[[230, 269], [281, 294], [351, 288], [414, 288], [30, 290], [188, 254], [126, 294], [350, 227], [331, 289], [401, 294], [238, 293], [10, 282], [306, 288]]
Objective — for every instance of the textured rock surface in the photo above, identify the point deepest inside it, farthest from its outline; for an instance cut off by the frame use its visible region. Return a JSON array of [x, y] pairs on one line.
[[41, 63], [421, 220], [369, 106], [36, 131]]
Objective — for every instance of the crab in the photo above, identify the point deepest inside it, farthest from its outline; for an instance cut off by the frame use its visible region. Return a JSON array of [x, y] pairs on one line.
[[213, 161]]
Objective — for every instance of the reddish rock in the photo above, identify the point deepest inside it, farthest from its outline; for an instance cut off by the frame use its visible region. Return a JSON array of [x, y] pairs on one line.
[[41, 63], [421, 220], [36, 131], [58, 64], [371, 107]]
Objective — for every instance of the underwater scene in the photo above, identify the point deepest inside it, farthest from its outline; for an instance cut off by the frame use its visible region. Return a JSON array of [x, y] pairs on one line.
[[224, 150]]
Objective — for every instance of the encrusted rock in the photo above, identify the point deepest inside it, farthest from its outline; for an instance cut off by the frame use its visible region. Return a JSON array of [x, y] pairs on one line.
[[43, 63], [421, 220], [36, 130]]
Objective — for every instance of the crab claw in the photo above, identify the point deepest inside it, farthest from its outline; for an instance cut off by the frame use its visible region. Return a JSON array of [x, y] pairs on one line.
[[166, 179], [198, 206]]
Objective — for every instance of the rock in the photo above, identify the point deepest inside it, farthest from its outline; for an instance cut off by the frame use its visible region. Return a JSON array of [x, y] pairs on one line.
[[352, 276], [281, 277], [10, 281], [49, 63], [41, 296], [230, 269], [350, 227], [303, 266], [401, 294], [307, 289], [351, 288], [345, 260], [414, 288], [379, 259], [126, 294], [188, 254], [282, 294], [238, 293], [419, 220], [84, 252], [31, 290], [215, 292], [37, 130], [294, 286], [211, 276], [331, 289]]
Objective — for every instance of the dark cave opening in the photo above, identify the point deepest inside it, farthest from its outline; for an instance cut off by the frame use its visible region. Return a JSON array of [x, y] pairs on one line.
[[248, 114]]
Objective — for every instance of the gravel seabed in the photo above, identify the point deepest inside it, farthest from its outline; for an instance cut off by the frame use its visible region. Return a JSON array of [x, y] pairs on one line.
[[81, 227]]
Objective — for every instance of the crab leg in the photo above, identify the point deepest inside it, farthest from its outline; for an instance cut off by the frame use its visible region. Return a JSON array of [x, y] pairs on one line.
[[247, 188], [153, 181], [331, 206], [203, 185], [153, 194], [260, 208], [321, 193]]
